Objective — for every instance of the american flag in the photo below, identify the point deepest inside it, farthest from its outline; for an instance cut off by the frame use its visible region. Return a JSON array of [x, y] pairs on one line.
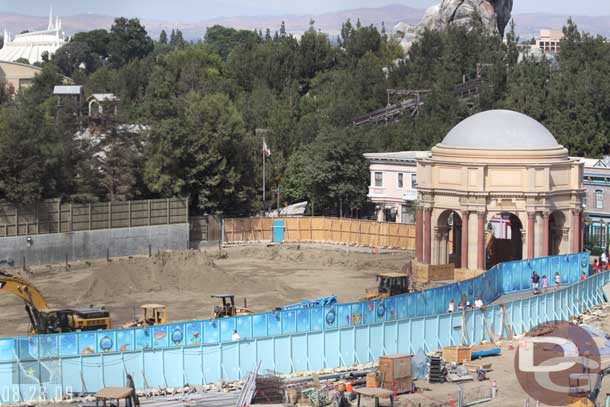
[[266, 150]]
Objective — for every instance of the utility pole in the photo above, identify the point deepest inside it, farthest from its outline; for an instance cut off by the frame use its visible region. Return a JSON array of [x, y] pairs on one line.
[[278, 199], [261, 133]]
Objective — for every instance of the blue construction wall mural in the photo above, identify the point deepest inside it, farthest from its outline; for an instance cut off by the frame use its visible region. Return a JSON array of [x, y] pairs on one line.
[[307, 339]]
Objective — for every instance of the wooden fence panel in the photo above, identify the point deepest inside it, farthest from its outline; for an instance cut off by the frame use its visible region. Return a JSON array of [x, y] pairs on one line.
[[323, 229], [55, 217]]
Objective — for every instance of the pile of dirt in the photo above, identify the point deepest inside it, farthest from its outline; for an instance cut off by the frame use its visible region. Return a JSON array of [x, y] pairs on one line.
[[181, 271], [336, 256], [184, 281]]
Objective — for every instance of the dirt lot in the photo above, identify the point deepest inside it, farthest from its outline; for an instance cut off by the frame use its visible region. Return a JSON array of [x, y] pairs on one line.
[[509, 390], [266, 276]]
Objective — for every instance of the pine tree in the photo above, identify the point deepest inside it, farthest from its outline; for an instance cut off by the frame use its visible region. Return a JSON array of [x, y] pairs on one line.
[[163, 37]]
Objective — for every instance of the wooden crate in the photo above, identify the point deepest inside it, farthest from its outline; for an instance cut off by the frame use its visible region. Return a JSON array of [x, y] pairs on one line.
[[404, 385], [396, 372], [457, 354]]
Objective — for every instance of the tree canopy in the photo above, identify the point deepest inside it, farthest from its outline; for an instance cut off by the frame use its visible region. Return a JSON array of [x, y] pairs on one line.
[[188, 112]]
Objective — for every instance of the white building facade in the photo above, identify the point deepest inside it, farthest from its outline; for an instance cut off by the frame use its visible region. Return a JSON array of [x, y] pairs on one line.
[[33, 45], [393, 185]]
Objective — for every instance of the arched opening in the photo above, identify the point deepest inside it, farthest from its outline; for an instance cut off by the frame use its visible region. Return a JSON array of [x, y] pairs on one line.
[[505, 240], [557, 222], [449, 236]]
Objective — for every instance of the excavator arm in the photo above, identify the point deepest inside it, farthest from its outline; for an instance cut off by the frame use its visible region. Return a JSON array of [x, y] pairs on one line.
[[33, 298], [23, 289], [45, 320]]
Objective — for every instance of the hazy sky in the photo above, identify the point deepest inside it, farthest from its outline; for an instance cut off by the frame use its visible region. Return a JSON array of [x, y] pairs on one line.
[[205, 9]]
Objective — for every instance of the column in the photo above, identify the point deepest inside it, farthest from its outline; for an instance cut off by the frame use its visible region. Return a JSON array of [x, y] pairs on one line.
[[441, 239], [481, 241], [581, 233], [427, 235], [531, 219], [418, 234], [545, 233], [465, 216], [575, 231], [437, 254]]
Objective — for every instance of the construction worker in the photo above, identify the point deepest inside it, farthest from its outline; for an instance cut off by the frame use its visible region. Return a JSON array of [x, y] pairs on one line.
[[133, 400]]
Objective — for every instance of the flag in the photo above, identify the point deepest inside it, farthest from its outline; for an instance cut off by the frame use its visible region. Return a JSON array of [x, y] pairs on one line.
[[266, 151]]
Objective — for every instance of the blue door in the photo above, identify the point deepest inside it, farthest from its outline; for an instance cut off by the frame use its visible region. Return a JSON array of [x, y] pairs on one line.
[[278, 230]]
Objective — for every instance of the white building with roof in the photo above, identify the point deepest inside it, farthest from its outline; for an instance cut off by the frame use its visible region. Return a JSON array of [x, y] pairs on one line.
[[32, 45], [393, 184]]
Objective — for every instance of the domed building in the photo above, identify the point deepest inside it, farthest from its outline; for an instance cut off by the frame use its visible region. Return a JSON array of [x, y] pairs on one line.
[[32, 46], [498, 188]]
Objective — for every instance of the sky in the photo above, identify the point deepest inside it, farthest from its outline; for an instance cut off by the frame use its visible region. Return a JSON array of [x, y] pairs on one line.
[[196, 10]]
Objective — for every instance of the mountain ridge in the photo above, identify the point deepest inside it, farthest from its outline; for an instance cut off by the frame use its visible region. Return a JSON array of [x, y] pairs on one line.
[[528, 24]]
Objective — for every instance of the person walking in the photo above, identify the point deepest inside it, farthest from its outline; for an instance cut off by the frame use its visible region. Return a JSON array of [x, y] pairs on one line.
[[451, 307], [545, 283], [235, 337], [478, 303], [603, 258], [535, 282], [557, 280]]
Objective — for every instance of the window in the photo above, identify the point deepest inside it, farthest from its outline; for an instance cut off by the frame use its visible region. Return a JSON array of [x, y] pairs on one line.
[[599, 199], [414, 181], [379, 179], [400, 180]]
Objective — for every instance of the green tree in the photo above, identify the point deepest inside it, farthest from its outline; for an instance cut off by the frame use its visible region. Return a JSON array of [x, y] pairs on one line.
[[128, 41], [223, 40], [202, 153], [30, 154], [163, 37], [331, 174]]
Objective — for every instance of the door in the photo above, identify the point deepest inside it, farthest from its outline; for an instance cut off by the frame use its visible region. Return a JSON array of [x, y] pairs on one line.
[[278, 230]]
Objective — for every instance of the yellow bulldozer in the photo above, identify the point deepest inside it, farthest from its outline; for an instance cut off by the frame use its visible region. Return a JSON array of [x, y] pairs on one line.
[[152, 314], [228, 308], [45, 320], [389, 285]]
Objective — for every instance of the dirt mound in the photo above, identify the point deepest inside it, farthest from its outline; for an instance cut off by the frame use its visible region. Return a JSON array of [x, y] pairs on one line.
[[183, 271]]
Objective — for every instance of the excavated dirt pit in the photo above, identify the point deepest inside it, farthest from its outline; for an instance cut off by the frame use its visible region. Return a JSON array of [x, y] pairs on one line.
[[266, 276]]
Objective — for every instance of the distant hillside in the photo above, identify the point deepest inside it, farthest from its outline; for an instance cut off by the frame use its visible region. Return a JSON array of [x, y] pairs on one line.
[[297, 24], [527, 24]]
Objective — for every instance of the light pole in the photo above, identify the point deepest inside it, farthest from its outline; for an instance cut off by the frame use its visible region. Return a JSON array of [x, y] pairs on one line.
[[261, 133]]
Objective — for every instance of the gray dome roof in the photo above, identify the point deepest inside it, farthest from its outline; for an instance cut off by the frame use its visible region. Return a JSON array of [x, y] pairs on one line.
[[500, 129]]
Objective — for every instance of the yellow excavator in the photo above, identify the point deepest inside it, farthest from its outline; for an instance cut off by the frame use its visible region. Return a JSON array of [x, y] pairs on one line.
[[590, 400], [48, 321]]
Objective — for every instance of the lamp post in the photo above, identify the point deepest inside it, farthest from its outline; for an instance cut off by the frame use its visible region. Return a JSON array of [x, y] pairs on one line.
[[261, 133]]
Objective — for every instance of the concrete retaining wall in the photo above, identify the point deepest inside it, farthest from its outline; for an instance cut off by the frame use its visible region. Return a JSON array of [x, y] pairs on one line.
[[94, 244]]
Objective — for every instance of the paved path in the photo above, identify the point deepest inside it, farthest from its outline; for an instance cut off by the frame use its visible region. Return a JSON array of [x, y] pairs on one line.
[[521, 295]]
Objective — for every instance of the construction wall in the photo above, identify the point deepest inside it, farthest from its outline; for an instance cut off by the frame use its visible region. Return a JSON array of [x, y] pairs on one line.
[[309, 339], [323, 229], [53, 216], [93, 244]]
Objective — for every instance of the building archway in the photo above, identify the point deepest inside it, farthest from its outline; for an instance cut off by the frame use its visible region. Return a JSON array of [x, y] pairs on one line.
[[504, 239], [449, 236], [557, 222]]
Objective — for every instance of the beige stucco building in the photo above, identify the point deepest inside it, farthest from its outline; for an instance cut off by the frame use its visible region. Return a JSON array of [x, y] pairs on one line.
[[505, 188], [17, 76]]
